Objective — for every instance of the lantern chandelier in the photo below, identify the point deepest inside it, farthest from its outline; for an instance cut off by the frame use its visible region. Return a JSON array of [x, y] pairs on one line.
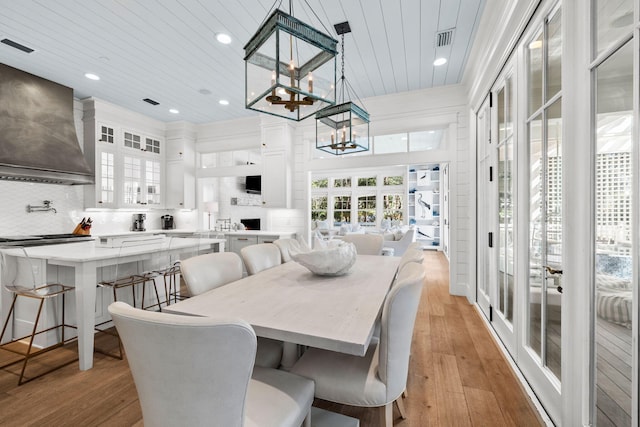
[[290, 68], [343, 128]]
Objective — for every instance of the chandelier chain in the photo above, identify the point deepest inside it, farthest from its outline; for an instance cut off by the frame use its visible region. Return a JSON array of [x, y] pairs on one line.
[[342, 70]]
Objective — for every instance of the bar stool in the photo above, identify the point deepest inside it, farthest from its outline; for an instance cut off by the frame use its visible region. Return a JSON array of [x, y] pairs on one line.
[[120, 281], [42, 293]]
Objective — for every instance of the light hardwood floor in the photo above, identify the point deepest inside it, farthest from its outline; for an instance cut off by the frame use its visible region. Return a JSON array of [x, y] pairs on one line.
[[458, 377]]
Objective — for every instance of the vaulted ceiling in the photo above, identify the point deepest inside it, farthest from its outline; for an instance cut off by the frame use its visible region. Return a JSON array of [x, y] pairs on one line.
[[166, 50]]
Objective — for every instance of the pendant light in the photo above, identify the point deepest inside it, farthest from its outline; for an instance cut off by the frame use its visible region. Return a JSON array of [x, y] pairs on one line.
[[343, 128], [290, 68]]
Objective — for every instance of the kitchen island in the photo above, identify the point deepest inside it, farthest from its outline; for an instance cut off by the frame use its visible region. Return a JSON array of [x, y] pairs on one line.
[[81, 265]]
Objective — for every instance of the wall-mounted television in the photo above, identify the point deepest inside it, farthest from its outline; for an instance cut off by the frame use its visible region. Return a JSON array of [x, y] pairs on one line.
[[254, 184]]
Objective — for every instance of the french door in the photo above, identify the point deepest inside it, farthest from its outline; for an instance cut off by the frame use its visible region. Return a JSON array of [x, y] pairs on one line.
[[496, 199]]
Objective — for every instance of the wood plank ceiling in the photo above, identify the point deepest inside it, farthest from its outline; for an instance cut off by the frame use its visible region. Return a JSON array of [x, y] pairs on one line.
[[166, 49]]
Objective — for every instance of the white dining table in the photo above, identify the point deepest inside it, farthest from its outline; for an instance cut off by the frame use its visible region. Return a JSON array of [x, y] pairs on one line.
[[86, 258], [291, 304]]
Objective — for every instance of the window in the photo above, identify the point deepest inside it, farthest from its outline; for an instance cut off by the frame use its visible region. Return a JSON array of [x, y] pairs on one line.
[[342, 182], [384, 144], [341, 210], [319, 208], [392, 207], [131, 140], [320, 183], [106, 134], [427, 140], [393, 180], [367, 182], [152, 145], [367, 210]]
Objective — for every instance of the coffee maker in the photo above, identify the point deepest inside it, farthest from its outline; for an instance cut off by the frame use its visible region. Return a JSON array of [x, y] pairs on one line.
[[167, 222], [138, 222]]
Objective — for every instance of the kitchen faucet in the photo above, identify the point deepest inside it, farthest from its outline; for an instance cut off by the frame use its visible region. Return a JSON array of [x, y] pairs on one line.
[[46, 207]]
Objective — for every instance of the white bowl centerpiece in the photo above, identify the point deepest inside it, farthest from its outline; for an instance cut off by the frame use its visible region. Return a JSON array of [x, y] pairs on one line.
[[335, 260]]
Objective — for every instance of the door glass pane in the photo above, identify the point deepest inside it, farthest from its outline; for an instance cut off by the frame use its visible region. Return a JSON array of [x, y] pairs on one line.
[[132, 180], [536, 232], [554, 55], [553, 268], [614, 19], [500, 108], [505, 227], [613, 267], [107, 177], [534, 75]]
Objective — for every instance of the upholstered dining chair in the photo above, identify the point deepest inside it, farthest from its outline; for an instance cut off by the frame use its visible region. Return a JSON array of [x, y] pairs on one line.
[[366, 244], [260, 257], [290, 246], [415, 245], [379, 378], [209, 271], [411, 255], [206, 375], [27, 286]]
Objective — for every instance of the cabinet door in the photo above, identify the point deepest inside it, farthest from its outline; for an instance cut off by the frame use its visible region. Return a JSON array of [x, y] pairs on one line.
[[239, 242], [275, 180], [181, 187], [267, 239], [105, 179]]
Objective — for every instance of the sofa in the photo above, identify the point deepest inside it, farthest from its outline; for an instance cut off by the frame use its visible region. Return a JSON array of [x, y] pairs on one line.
[[401, 240]]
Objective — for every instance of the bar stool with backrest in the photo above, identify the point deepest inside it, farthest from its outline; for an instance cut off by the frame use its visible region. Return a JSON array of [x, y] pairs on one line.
[[134, 278], [27, 286], [166, 265]]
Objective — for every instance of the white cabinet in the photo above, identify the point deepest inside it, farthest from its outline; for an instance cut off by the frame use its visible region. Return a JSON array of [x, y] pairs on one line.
[[239, 239], [180, 172], [277, 140], [181, 186], [276, 192], [128, 163]]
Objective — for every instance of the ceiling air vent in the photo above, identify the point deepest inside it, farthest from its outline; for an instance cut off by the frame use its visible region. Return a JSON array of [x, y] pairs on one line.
[[444, 38], [18, 46], [151, 101]]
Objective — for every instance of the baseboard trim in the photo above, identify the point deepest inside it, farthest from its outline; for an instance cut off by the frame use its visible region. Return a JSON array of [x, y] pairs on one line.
[[514, 367]]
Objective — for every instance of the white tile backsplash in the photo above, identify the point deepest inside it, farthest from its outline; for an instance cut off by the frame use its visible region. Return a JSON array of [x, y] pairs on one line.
[[68, 202], [15, 196]]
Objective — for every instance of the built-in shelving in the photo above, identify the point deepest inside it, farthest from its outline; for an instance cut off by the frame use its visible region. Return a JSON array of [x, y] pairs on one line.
[[423, 203]]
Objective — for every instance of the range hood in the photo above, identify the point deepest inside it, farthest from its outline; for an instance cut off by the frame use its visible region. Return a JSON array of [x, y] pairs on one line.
[[38, 141]]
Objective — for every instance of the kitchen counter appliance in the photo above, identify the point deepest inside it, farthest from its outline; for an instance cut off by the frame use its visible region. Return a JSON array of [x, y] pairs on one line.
[[138, 222], [167, 222]]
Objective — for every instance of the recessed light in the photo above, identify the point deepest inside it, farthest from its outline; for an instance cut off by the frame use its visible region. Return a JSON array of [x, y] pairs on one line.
[[223, 102], [440, 61], [205, 91], [223, 38], [174, 111], [92, 76]]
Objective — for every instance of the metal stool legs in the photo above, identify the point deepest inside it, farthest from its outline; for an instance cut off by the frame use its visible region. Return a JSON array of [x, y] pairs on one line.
[[29, 354]]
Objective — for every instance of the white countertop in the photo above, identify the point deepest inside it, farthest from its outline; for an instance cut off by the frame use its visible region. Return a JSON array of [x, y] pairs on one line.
[[92, 251], [258, 233], [189, 231]]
